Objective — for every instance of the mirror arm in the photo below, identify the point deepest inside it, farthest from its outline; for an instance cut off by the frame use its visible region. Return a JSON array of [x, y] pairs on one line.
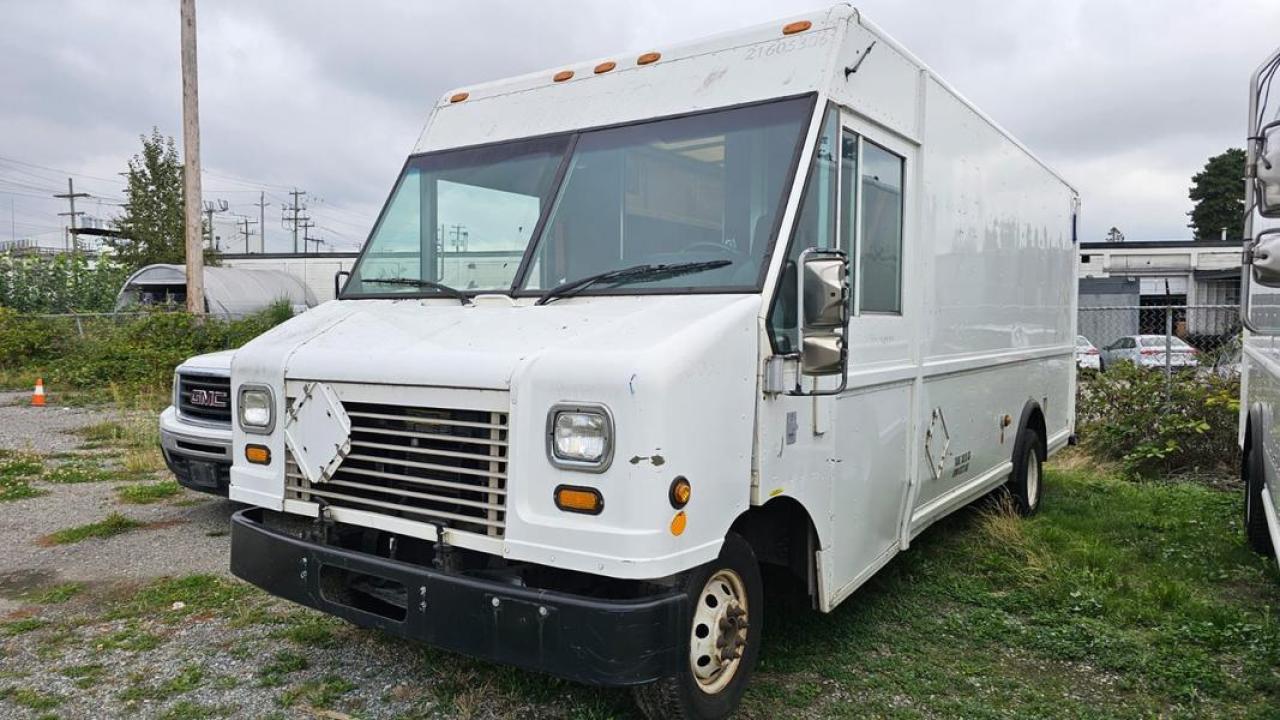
[[337, 283]]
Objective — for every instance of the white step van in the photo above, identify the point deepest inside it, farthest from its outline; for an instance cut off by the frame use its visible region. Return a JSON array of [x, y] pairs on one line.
[[1260, 359], [628, 328]]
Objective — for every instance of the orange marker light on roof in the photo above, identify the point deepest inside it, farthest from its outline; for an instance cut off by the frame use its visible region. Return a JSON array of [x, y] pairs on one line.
[[648, 58], [459, 97], [562, 75], [605, 67], [796, 27]]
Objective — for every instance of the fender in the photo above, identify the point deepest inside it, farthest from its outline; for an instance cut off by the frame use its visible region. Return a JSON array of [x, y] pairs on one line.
[[1031, 413]]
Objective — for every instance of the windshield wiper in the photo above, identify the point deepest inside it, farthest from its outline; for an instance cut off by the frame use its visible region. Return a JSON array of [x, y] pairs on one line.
[[442, 288], [622, 276]]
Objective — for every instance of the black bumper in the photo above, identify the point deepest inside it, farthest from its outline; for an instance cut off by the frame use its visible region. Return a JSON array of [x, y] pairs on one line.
[[208, 476], [590, 640]]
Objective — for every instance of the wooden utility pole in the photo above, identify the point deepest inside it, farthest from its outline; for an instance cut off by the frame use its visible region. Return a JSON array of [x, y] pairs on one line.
[[191, 162]]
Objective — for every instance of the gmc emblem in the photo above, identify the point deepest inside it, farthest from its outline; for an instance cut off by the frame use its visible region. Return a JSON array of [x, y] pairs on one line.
[[209, 398]]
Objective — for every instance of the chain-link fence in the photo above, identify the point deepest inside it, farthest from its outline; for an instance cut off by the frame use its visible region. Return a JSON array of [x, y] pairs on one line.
[[1168, 338]]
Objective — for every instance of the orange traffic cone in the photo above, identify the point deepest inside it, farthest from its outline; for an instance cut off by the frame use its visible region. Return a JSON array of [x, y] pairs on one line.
[[37, 397]]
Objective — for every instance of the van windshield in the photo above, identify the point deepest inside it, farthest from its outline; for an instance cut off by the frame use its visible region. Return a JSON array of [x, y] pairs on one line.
[[528, 215]]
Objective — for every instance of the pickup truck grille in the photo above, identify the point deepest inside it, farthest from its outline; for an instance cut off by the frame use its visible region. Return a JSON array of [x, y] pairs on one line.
[[205, 397], [440, 465]]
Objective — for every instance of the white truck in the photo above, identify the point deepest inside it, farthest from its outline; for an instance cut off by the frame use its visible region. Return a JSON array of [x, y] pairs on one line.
[[629, 328], [1260, 362], [195, 430]]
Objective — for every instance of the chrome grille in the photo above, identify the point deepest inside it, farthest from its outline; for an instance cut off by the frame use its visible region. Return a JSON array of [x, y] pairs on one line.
[[205, 397], [441, 465]]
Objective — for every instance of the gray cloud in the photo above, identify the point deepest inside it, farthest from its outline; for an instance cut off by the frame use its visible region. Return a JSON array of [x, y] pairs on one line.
[[1127, 99]]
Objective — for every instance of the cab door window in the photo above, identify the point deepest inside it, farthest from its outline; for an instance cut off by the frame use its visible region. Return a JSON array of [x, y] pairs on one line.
[[815, 227]]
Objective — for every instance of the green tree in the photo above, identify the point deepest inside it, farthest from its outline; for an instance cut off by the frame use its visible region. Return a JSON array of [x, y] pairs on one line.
[[152, 219], [1218, 192]]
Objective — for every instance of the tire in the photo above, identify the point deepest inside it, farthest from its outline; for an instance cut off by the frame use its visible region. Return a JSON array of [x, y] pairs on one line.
[[1026, 483], [1255, 521], [733, 576]]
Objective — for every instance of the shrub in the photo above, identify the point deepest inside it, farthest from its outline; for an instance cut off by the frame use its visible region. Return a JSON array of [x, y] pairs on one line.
[[1123, 414], [61, 283], [131, 352]]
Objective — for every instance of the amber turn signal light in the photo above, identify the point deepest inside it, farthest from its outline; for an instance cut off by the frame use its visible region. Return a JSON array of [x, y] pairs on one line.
[[678, 523], [648, 58], [562, 75], [680, 492], [796, 27], [584, 500], [605, 67], [459, 97], [257, 454]]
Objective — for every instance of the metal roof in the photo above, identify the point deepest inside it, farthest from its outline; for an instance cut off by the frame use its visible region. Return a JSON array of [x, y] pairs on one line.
[[228, 292]]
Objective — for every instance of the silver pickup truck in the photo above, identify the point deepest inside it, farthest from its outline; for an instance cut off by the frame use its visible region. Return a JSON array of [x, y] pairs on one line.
[[195, 431]]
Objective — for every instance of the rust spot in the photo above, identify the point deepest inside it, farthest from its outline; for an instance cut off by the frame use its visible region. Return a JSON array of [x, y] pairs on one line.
[[656, 460]]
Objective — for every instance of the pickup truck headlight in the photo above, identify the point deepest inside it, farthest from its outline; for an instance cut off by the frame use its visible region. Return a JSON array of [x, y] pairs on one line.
[[257, 409], [580, 437]]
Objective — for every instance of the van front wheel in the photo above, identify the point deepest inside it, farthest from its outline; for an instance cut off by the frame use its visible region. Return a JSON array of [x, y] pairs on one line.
[[726, 599]]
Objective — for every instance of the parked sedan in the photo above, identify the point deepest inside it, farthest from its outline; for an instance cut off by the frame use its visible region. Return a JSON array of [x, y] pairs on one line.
[[1148, 351], [1087, 357]]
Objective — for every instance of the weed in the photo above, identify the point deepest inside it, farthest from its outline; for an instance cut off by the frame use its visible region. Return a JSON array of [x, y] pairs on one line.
[[85, 676], [145, 494], [196, 593], [285, 662], [28, 698], [114, 524], [24, 625], [16, 472], [188, 710], [308, 629], [55, 594], [130, 638], [320, 693], [74, 473]]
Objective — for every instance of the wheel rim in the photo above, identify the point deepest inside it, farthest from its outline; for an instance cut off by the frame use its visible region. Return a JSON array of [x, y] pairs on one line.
[[1033, 478], [718, 636]]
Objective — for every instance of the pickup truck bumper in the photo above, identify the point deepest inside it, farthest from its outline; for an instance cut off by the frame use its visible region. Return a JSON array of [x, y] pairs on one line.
[[199, 456], [586, 639]]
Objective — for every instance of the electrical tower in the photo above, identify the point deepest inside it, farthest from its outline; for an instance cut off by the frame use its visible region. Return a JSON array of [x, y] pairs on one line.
[[210, 208], [292, 217], [245, 222], [70, 196]]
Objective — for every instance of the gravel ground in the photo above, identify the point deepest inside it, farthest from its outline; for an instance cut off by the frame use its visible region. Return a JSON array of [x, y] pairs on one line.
[[44, 430], [185, 535], [91, 657]]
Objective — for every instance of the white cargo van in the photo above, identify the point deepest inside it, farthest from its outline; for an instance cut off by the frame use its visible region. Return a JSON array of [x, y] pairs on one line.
[[628, 328], [1260, 362]]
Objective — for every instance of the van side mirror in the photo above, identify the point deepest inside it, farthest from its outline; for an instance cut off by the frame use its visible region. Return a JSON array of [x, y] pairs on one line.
[[337, 282], [823, 290], [1263, 256], [1266, 170]]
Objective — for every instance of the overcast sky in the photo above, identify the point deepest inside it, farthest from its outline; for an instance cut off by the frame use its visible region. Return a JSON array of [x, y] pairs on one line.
[[1126, 98]]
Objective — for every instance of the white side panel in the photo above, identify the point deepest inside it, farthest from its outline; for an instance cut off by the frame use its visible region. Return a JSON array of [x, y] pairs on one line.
[[873, 428], [1003, 275], [980, 450]]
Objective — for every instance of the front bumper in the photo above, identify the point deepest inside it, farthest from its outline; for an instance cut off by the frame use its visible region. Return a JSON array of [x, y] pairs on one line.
[[199, 456], [587, 639]]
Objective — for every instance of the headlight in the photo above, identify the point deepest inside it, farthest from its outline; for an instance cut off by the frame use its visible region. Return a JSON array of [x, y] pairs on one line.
[[580, 437], [257, 409]]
